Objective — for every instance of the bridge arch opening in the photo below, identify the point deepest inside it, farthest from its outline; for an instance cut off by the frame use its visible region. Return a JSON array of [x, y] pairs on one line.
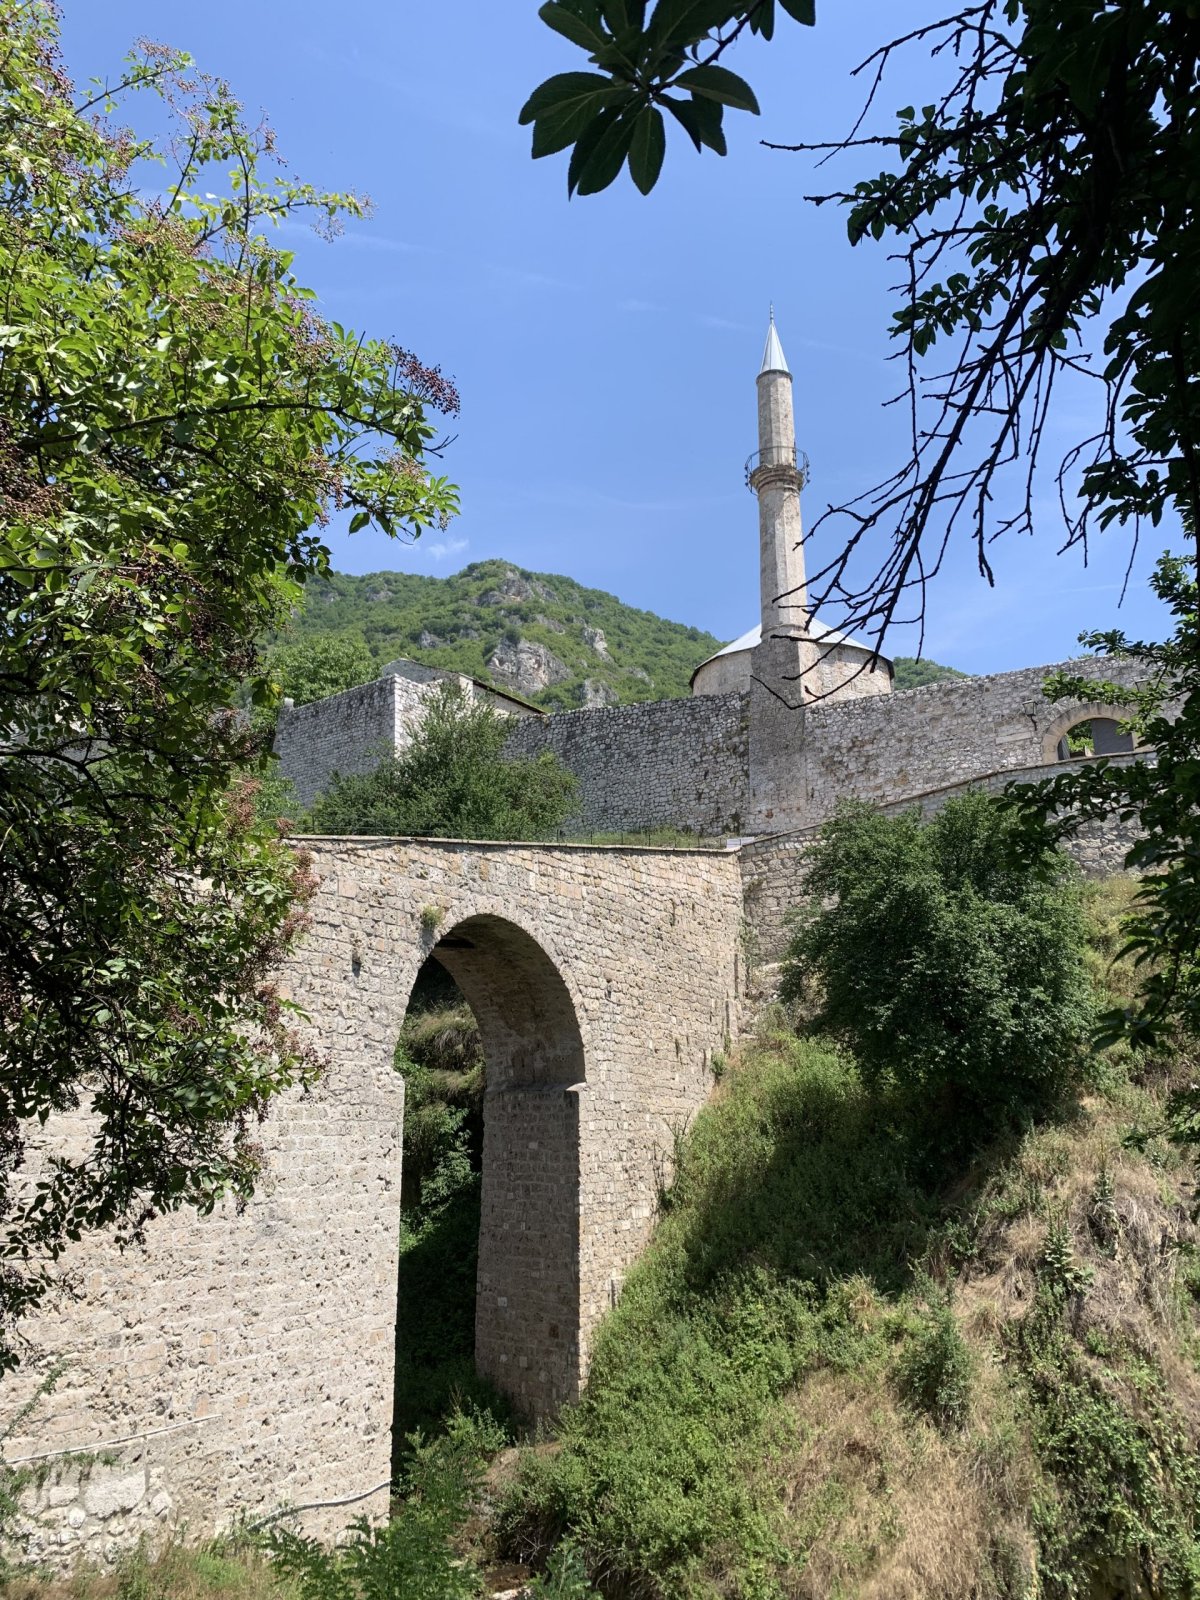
[[524, 1150], [1091, 730]]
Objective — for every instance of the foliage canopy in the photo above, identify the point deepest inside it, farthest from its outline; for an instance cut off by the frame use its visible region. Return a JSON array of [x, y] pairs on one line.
[[947, 964], [174, 420], [321, 666]]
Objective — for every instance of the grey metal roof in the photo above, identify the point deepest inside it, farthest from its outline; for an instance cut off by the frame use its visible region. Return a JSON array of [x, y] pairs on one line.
[[817, 631], [773, 359]]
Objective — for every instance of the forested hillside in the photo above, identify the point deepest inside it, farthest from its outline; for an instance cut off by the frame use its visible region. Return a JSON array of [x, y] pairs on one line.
[[538, 634], [912, 673]]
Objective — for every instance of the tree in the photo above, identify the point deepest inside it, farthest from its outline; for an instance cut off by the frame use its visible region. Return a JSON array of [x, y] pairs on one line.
[[615, 115], [175, 421], [1163, 796], [1047, 224], [948, 966], [453, 782], [321, 665]]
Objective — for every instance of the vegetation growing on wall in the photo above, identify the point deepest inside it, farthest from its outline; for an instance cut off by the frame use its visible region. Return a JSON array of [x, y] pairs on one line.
[[452, 782]]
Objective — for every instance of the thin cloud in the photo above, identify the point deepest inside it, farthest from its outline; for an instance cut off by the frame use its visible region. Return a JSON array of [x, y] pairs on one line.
[[443, 549]]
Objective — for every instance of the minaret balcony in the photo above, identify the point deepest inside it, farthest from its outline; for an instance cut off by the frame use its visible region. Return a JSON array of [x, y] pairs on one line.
[[778, 465]]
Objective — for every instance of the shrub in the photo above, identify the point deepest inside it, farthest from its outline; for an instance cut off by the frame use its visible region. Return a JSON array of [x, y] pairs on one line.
[[453, 781], [412, 1556], [950, 964], [565, 1577], [935, 1368]]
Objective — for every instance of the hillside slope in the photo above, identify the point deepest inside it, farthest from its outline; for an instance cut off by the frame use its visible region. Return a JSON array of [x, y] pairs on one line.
[[829, 1379], [914, 673], [540, 634]]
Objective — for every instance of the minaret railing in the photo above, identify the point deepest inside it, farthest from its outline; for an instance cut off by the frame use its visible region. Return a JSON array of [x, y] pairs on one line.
[[775, 457]]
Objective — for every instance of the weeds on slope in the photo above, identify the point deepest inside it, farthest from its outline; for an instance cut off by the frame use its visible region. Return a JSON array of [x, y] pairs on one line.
[[840, 1371]]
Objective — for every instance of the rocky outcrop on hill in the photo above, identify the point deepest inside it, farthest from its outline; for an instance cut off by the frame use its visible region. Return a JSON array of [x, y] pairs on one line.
[[526, 666], [594, 694]]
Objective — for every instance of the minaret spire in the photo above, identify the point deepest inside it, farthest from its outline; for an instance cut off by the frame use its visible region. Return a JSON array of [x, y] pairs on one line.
[[773, 359], [776, 479]]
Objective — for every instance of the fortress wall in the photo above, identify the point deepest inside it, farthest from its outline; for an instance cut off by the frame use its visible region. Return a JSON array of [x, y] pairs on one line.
[[236, 1362], [774, 867], [665, 763], [944, 733], [349, 732]]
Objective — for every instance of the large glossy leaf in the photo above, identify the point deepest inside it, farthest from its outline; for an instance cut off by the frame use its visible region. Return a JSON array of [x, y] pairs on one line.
[[586, 30], [702, 120], [721, 85], [803, 10], [647, 149], [604, 155], [562, 88], [685, 21]]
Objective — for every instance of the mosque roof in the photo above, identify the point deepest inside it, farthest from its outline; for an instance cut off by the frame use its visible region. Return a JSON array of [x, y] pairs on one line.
[[816, 631]]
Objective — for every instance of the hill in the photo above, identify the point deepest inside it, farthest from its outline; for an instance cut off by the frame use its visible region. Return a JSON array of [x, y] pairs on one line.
[[537, 633], [912, 673], [843, 1371]]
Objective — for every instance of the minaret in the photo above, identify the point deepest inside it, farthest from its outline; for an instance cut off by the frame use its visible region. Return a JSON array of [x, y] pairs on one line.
[[776, 476]]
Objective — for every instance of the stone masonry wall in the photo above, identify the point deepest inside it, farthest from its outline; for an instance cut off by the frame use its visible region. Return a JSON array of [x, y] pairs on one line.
[[353, 731], [666, 763], [240, 1363], [349, 732], [888, 747]]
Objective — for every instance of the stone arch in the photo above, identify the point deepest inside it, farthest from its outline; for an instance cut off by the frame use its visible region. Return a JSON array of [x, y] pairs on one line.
[[1109, 716], [527, 1327]]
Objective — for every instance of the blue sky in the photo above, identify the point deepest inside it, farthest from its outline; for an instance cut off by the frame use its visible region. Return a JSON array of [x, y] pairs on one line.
[[606, 348]]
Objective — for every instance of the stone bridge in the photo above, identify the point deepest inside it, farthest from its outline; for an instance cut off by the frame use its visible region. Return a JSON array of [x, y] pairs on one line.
[[245, 1362]]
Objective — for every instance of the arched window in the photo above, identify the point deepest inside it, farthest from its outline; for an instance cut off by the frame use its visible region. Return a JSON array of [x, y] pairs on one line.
[[1095, 736], [1087, 730]]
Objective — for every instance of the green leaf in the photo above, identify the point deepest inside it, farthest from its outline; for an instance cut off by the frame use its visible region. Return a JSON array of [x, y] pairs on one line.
[[647, 149], [571, 26], [607, 155], [804, 11], [721, 85], [763, 20], [565, 88], [562, 124], [702, 120], [685, 22]]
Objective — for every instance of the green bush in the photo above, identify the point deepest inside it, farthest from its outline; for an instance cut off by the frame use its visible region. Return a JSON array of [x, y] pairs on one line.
[[935, 1368], [453, 781], [413, 1556], [565, 1577], [951, 965]]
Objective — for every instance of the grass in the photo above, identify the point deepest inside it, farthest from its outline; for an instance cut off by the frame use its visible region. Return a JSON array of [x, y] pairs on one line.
[[840, 1371], [215, 1570]]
